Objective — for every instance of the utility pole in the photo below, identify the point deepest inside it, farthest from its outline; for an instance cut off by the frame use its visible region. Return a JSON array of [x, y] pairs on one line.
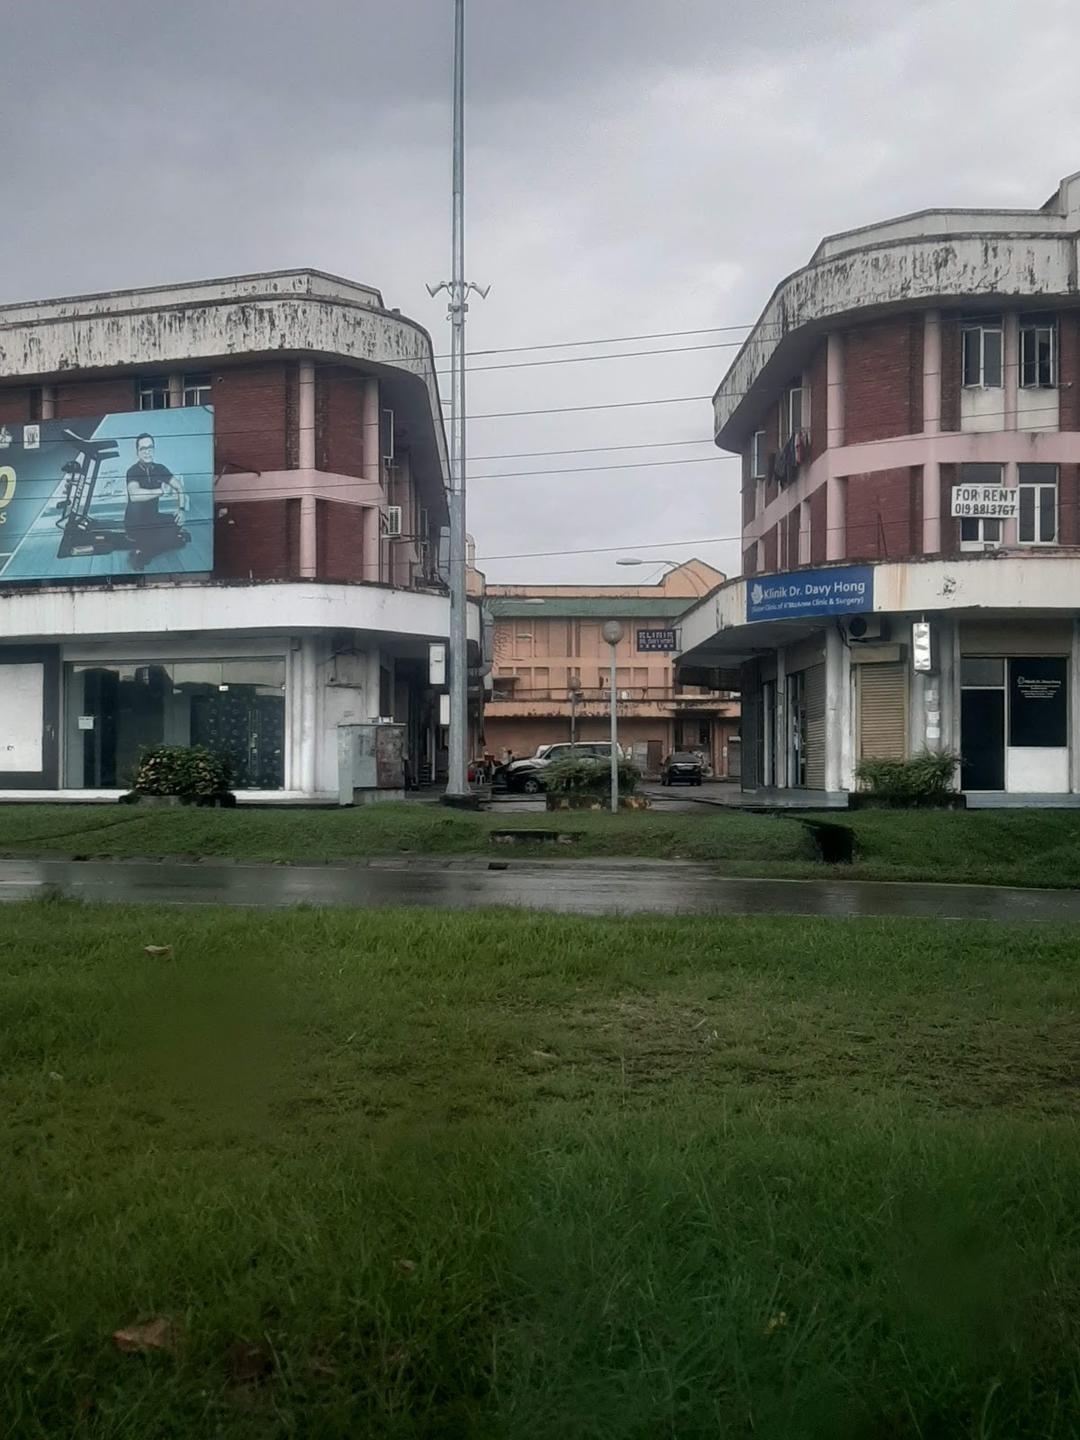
[[457, 786]]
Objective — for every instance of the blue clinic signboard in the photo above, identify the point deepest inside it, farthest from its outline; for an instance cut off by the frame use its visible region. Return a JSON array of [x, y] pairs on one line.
[[123, 494], [803, 594], [657, 640]]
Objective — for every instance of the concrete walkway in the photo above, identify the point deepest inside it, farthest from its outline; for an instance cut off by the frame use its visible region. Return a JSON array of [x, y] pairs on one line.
[[580, 887]]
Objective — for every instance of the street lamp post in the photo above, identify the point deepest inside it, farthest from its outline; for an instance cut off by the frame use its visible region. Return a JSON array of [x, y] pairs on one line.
[[613, 632], [671, 564]]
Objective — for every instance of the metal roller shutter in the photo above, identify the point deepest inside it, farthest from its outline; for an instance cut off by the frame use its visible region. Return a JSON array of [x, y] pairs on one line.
[[814, 681], [883, 711]]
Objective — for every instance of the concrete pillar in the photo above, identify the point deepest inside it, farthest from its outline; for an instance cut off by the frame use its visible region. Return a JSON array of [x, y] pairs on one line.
[[309, 738], [836, 518], [780, 740], [834, 374], [372, 466], [309, 538], [1011, 367], [371, 683], [931, 394], [1010, 529], [306, 417], [931, 385], [948, 678], [837, 718]]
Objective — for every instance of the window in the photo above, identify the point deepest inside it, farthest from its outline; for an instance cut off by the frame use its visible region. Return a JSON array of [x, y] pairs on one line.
[[978, 534], [154, 392], [1038, 352], [757, 455], [982, 353], [197, 389], [792, 407], [1037, 505]]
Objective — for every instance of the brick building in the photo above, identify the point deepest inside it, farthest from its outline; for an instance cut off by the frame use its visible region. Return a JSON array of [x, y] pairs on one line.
[[296, 586], [551, 671], [907, 410]]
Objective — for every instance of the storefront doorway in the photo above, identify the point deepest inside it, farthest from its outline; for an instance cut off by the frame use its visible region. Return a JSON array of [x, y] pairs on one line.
[[233, 707], [1014, 724]]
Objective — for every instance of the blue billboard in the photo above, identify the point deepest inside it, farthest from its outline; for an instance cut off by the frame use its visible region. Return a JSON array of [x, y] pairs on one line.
[[123, 494], [803, 594]]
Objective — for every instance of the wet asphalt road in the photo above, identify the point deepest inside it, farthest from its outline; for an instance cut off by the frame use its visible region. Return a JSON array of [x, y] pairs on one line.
[[580, 887]]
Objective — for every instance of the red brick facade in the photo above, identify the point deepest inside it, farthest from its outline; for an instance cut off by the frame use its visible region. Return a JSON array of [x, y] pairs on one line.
[[259, 539], [883, 380], [819, 533], [339, 423], [818, 374], [1069, 370], [95, 397], [340, 541], [884, 520], [15, 404], [250, 409]]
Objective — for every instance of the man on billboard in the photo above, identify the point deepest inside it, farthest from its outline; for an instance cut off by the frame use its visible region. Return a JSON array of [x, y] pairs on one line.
[[150, 532]]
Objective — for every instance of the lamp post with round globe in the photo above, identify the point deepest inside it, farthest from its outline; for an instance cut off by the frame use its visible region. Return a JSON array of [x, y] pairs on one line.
[[612, 632]]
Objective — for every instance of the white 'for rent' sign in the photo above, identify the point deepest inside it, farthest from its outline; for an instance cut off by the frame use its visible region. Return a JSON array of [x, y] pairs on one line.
[[983, 502]]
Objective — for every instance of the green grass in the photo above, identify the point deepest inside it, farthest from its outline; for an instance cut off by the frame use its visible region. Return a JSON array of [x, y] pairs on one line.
[[982, 847], [1005, 847], [770, 1178], [391, 829]]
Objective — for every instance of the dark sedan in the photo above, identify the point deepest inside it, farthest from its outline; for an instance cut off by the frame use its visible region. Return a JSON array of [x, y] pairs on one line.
[[682, 768]]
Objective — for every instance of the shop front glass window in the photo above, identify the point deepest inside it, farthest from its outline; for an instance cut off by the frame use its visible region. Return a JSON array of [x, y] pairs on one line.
[[234, 707]]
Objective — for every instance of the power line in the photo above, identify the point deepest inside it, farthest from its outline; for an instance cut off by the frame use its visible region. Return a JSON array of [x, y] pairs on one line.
[[574, 409], [584, 359], [632, 465], [609, 340], [590, 450], [611, 549]]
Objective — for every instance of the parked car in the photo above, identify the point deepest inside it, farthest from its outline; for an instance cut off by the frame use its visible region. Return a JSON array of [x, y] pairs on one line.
[[527, 776], [682, 768]]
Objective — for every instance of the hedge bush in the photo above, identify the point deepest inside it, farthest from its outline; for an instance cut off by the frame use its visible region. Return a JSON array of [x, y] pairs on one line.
[[924, 778], [182, 770], [589, 777]]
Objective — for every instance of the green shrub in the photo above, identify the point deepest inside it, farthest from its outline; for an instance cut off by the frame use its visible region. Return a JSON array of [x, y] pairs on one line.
[[924, 778], [182, 770], [588, 776]]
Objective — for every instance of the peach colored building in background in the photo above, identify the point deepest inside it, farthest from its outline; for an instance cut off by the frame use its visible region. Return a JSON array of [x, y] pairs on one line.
[[550, 671]]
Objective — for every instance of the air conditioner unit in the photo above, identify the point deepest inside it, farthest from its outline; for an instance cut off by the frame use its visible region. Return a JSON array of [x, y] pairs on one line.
[[867, 627], [391, 522]]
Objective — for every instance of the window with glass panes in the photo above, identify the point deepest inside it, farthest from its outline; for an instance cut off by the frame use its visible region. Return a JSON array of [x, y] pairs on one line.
[[982, 352], [1038, 352], [154, 392], [976, 534], [197, 389], [1037, 505]]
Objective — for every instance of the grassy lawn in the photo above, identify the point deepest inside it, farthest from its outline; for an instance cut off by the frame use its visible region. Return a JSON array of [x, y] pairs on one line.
[[390, 829], [1006, 847], [425, 1174]]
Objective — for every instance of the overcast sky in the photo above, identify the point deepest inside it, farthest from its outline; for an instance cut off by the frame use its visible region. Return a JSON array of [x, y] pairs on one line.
[[633, 167]]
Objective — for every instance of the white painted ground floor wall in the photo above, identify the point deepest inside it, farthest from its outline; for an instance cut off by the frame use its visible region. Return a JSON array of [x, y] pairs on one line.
[[322, 690], [989, 657]]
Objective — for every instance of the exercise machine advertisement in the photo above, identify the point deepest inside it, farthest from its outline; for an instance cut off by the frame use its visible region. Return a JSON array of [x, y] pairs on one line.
[[123, 494]]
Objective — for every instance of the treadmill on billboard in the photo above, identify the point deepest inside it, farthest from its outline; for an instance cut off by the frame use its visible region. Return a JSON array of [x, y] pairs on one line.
[[123, 494]]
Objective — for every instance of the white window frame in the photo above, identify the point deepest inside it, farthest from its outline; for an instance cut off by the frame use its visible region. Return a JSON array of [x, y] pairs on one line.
[[788, 426], [150, 386], [1031, 328], [984, 537], [195, 390], [757, 455], [1036, 488], [982, 328]]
